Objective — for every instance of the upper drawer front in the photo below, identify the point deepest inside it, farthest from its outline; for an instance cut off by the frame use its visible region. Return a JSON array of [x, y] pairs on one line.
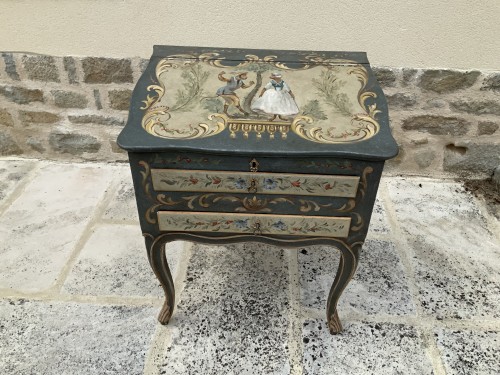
[[311, 226], [254, 182]]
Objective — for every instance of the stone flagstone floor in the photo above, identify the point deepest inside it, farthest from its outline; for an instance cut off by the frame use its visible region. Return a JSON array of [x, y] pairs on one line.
[[77, 295]]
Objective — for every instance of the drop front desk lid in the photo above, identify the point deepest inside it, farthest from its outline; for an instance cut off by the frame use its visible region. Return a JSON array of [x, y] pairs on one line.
[[259, 103]]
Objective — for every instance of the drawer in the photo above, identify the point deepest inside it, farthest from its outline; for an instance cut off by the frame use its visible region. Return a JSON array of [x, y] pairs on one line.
[[254, 182], [311, 226]]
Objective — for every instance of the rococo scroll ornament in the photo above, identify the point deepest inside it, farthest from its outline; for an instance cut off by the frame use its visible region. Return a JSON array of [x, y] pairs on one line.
[[202, 96]]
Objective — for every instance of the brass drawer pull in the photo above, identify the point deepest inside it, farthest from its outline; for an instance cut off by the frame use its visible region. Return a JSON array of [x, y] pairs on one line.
[[253, 186], [256, 229]]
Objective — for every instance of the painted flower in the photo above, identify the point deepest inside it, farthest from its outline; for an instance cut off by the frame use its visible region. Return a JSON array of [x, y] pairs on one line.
[[295, 183], [216, 181], [240, 183], [328, 187], [279, 225], [193, 180], [241, 224], [270, 184]]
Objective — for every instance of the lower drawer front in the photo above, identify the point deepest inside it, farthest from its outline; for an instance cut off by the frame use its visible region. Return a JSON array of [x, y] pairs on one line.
[[313, 226]]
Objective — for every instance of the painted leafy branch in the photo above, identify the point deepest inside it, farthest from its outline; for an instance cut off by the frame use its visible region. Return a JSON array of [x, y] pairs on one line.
[[259, 70], [194, 78], [328, 88], [313, 109], [213, 105]]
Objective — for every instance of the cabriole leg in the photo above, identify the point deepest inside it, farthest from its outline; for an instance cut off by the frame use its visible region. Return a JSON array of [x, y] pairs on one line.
[[158, 262], [347, 267]]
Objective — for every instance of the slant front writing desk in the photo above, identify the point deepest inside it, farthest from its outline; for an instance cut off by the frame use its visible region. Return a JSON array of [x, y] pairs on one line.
[[281, 147]]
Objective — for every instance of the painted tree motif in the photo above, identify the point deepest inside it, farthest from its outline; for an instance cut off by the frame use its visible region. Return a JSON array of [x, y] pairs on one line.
[[194, 77], [259, 69], [328, 87], [312, 109]]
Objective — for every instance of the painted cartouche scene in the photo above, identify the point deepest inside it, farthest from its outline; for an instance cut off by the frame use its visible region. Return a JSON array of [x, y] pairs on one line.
[[321, 100]]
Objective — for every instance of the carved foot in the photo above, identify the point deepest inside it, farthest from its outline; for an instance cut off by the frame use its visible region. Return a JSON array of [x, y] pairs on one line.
[[165, 314], [334, 324]]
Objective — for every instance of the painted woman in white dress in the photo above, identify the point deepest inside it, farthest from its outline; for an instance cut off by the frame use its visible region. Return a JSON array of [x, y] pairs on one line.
[[276, 99]]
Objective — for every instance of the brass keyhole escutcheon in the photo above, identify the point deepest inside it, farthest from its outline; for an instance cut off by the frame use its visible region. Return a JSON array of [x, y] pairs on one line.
[[253, 186], [256, 229], [254, 165]]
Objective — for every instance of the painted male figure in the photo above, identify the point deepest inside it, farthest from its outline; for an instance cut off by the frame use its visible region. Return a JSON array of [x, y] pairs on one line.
[[228, 93]]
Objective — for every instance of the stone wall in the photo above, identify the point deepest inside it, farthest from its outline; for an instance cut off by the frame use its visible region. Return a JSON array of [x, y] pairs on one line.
[[445, 121], [73, 108]]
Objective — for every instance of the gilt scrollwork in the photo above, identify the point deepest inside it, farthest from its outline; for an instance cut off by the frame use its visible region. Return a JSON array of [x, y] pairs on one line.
[[162, 120]]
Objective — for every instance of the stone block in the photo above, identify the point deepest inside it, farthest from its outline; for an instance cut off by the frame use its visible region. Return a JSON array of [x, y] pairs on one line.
[[73, 143], [115, 148], [469, 351], [496, 176], [408, 76], [21, 95], [70, 68], [424, 157], [378, 222], [35, 144], [40, 229], [120, 99], [6, 117], [97, 99], [452, 251], [69, 338], [8, 146], [33, 117], [106, 70], [435, 103], [419, 141], [123, 206], [233, 315], [69, 99], [471, 157], [12, 173], [114, 262], [41, 68], [364, 349], [401, 100], [143, 64], [492, 82], [445, 81], [379, 286], [477, 107], [385, 76], [437, 125], [487, 127], [96, 119], [401, 156], [10, 66]]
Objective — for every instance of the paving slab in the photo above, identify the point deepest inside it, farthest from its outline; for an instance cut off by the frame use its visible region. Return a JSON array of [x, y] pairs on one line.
[[38, 232], [69, 338], [12, 172], [233, 314], [454, 253], [114, 262], [364, 348], [123, 206], [379, 224], [379, 286], [466, 352]]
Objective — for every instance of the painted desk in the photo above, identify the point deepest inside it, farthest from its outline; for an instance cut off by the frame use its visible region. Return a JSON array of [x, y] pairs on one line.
[[281, 147]]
